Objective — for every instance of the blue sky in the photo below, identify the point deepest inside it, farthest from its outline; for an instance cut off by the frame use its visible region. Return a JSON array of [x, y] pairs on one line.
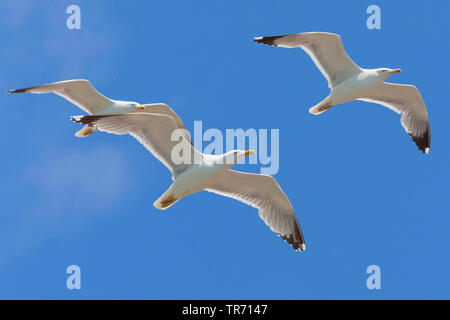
[[361, 190]]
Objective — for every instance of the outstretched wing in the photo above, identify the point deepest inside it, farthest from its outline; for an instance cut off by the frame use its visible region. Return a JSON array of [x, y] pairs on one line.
[[154, 131], [79, 92], [264, 193], [407, 101], [325, 49], [162, 108]]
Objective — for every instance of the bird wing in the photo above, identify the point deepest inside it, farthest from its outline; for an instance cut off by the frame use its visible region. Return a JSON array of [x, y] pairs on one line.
[[263, 192], [154, 131], [162, 108], [325, 49], [407, 101], [79, 92]]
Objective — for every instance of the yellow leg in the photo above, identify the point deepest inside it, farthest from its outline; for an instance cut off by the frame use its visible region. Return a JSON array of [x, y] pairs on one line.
[[168, 202], [324, 108], [87, 130]]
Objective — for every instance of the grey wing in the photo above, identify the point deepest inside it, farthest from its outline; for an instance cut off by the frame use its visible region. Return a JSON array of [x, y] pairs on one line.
[[325, 49], [162, 108], [407, 101], [154, 131], [80, 92], [263, 192]]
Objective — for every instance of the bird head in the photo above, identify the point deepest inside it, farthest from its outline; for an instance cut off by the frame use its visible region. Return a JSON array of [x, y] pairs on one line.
[[234, 156], [137, 106], [129, 106], [386, 72]]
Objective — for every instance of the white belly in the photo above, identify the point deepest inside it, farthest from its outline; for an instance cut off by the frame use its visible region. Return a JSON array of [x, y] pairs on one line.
[[195, 179], [354, 88]]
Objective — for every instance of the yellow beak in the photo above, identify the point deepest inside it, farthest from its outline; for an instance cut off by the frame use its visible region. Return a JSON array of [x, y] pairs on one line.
[[140, 107], [396, 71], [249, 153]]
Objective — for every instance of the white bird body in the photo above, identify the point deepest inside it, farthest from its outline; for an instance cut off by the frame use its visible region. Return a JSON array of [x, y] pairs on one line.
[[195, 179], [349, 82], [200, 176], [207, 172], [355, 87]]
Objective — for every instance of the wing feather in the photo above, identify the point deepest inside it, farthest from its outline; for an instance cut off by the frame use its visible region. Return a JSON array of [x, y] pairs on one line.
[[407, 101], [153, 131], [325, 49], [162, 108], [79, 91], [263, 192]]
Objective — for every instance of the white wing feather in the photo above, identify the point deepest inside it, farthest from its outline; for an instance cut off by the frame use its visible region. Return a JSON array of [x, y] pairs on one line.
[[325, 49], [162, 108], [264, 193], [154, 131], [407, 101], [79, 92]]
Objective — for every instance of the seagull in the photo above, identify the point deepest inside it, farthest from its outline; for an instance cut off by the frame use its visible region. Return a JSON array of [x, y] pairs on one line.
[[81, 93], [348, 82], [212, 173]]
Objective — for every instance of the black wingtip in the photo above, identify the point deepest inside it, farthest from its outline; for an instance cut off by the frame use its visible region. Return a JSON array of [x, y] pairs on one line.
[[89, 119], [267, 40], [296, 239], [19, 90], [423, 141], [75, 119], [81, 119], [298, 245]]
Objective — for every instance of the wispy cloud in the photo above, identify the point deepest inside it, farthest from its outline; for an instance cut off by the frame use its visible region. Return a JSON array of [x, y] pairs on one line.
[[96, 175], [14, 14], [73, 190]]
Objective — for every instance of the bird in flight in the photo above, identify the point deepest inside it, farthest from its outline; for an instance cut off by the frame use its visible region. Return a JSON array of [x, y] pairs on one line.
[[348, 82], [208, 172], [81, 93]]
